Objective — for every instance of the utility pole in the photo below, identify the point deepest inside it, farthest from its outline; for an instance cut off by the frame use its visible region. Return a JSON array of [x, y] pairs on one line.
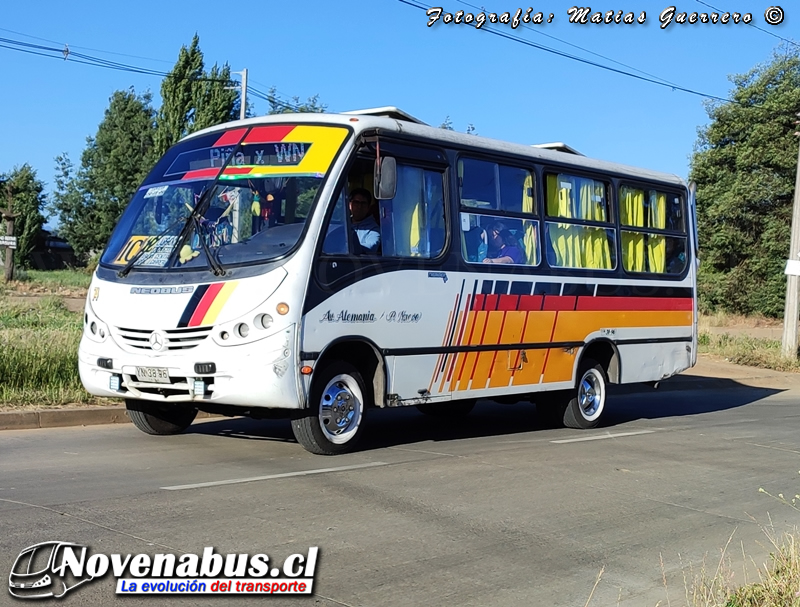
[[243, 88], [792, 309], [10, 243]]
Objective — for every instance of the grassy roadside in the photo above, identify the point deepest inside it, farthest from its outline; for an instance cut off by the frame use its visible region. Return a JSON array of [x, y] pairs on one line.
[[745, 350], [39, 344], [64, 283]]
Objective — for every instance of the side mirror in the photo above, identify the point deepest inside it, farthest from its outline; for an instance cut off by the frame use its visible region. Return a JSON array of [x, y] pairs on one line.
[[385, 178]]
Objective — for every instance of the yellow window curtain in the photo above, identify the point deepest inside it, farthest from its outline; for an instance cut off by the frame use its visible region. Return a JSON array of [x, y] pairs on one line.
[[563, 237], [631, 209], [657, 245], [529, 238], [593, 242]]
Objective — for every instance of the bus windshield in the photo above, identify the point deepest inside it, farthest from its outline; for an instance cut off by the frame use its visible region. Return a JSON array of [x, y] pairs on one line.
[[225, 200]]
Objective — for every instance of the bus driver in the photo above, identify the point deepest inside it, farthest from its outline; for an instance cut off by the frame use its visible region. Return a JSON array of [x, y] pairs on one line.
[[364, 224]]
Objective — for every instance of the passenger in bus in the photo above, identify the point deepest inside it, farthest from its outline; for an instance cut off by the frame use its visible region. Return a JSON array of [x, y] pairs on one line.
[[676, 256], [365, 226], [503, 246]]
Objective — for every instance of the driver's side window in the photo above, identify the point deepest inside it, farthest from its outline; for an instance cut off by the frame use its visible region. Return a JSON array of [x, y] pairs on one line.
[[336, 241]]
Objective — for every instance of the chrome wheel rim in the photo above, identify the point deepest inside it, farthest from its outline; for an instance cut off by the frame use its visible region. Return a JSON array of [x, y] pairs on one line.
[[341, 409], [591, 395]]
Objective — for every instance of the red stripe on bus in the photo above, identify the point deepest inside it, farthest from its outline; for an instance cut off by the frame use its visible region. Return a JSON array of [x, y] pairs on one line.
[[477, 303], [555, 303], [230, 137], [200, 173], [205, 303], [507, 303], [238, 170], [490, 303], [530, 303], [639, 304], [268, 134]]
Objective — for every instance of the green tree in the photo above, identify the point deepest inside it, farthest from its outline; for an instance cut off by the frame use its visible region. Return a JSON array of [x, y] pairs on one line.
[[744, 165], [193, 99], [88, 201], [27, 203], [278, 106]]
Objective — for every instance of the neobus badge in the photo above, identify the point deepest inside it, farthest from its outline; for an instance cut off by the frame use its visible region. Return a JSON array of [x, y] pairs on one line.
[[160, 290]]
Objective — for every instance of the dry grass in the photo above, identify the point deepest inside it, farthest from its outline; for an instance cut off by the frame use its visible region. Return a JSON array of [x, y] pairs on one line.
[[716, 583], [745, 350], [64, 283], [733, 321]]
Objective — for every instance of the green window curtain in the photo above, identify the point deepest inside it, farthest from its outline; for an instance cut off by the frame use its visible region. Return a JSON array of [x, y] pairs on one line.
[[657, 245], [529, 237], [631, 208]]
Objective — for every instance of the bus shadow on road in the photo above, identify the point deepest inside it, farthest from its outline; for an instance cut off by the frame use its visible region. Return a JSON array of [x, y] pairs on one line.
[[395, 427]]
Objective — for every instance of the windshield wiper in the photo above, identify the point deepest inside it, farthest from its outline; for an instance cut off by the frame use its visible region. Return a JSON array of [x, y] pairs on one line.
[[148, 247], [213, 262]]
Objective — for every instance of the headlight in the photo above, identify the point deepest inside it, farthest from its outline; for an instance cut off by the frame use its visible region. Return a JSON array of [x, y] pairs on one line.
[[94, 328]]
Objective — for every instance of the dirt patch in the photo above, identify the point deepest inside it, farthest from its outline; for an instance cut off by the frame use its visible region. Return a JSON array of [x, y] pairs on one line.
[[73, 304]]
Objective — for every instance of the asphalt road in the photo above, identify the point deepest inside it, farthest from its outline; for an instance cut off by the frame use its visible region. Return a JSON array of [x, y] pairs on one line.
[[490, 510]]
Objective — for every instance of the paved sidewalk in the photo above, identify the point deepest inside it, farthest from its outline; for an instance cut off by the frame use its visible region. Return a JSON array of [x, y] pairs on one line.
[[709, 374]]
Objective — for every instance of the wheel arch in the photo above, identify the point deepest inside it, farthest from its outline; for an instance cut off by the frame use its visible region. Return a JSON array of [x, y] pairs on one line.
[[605, 352], [363, 354]]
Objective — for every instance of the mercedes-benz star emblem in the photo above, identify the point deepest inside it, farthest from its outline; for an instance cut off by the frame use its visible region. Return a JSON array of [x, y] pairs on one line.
[[157, 340]]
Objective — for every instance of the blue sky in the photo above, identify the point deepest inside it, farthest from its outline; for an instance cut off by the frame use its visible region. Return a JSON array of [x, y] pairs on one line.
[[366, 53]]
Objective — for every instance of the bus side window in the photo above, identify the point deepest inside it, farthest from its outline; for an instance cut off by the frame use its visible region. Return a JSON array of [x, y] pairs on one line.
[[335, 242], [413, 223]]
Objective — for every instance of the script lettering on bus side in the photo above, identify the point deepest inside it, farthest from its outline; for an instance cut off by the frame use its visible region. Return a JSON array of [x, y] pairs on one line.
[[347, 316], [401, 316]]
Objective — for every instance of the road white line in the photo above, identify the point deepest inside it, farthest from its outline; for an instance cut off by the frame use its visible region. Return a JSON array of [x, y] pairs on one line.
[[600, 437], [236, 481]]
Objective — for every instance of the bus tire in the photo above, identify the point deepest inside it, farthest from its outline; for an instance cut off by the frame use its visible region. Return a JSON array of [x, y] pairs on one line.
[[551, 406], [333, 422], [588, 401], [459, 408], [160, 420]]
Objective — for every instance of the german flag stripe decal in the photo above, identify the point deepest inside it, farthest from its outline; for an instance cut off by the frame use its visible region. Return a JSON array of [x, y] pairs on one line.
[[192, 305], [206, 304]]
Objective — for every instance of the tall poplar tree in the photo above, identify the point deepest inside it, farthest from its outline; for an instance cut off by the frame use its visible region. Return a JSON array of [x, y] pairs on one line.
[[90, 200], [193, 99], [745, 163]]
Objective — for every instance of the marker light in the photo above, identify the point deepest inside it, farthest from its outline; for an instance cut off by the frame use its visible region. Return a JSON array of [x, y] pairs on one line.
[[282, 308], [262, 321]]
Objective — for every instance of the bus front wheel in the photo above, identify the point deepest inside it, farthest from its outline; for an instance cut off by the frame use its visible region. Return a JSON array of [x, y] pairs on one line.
[[588, 399], [333, 422], [158, 419]]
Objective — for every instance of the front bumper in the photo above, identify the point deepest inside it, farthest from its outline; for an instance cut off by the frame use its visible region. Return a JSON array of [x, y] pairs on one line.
[[259, 374]]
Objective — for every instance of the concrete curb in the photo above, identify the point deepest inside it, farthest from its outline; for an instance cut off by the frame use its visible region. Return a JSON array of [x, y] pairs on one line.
[[62, 418]]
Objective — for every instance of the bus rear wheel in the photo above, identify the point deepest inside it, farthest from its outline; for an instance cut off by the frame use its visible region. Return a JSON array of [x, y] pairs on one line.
[[332, 424], [588, 399], [158, 419]]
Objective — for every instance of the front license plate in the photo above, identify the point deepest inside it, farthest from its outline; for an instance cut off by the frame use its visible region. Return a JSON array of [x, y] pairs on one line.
[[159, 375]]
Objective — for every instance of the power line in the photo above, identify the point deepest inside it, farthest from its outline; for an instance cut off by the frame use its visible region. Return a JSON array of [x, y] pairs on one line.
[[773, 34], [585, 61], [67, 54], [585, 50], [86, 48]]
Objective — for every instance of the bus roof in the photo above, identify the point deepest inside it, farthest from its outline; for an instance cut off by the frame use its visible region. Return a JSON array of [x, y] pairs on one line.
[[394, 120]]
